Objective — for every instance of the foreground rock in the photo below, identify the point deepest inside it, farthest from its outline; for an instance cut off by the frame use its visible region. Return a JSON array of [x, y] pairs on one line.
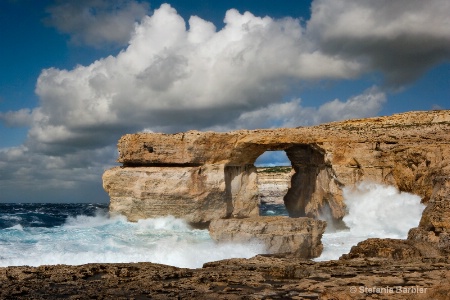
[[392, 249], [298, 236], [261, 277]]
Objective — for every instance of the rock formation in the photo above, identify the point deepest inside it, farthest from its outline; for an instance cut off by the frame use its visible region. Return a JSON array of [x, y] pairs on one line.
[[203, 176], [434, 226], [261, 277], [298, 236], [406, 150]]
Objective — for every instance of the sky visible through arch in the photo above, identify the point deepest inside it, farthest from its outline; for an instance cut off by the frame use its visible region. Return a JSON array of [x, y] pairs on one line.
[[76, 75]]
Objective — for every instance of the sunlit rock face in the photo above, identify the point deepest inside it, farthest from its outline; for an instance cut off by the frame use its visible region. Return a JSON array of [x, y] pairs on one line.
[[202, 176], [273, 184], [434, 227], [197, 194]]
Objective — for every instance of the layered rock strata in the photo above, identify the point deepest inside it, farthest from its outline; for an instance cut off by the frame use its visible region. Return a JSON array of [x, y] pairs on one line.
[[407, 150], [298, 236], [198, 194], [273, 184]]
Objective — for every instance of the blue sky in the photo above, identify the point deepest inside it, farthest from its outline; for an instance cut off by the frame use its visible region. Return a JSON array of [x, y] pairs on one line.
[[76, 75]]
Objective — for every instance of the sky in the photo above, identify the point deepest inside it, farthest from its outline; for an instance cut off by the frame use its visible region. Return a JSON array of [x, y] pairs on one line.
[[77, 75]]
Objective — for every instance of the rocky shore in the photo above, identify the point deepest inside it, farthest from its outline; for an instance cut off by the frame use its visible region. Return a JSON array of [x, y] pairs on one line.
[[261, 277]]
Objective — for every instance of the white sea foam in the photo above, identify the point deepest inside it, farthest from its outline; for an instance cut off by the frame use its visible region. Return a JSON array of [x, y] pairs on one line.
[[16, 227], [110, 240], [374, 211]]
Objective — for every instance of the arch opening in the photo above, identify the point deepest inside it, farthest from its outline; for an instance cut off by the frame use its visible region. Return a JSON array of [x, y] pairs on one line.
[[310, 188], [274, 172]]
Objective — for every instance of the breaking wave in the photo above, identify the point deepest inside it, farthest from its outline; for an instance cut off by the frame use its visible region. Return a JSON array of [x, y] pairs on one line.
[[374, 211]]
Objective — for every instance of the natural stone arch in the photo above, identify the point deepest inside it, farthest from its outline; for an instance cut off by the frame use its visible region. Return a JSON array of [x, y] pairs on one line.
[[188, 170], [186, 174]]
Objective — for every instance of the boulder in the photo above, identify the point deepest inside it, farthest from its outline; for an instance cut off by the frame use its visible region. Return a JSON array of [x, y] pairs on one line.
[[391, 249], [298, 236]]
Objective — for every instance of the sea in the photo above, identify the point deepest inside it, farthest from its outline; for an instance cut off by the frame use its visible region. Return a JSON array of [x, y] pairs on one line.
[[41, 234]]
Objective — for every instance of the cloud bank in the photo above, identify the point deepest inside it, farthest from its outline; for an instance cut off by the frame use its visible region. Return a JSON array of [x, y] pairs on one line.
[[401, 38], [175, 76]]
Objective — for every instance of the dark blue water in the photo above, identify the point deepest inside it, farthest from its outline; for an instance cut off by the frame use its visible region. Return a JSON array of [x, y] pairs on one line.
[[52, 215], [273, 210], [45, 214]]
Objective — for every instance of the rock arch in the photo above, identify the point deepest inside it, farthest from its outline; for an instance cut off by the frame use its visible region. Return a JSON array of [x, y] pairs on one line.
[[206, 176], [202, 176]]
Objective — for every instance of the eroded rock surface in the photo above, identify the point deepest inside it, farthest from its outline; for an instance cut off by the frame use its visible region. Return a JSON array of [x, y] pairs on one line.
[[196, 193], [261, 277], [434, 226], [393, 249], [298, 236]]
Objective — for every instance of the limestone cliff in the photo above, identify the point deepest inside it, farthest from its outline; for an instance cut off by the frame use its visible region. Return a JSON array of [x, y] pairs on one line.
[[273, 184], [202, 176]]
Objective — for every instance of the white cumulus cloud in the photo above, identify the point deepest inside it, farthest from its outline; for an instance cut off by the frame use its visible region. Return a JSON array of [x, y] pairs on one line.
[[20, 118], [174, 78], [293, 114]]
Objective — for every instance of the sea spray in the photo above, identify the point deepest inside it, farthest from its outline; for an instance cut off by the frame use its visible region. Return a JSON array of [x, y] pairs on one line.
[[381, 210], [374, 211], [99, 238]]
